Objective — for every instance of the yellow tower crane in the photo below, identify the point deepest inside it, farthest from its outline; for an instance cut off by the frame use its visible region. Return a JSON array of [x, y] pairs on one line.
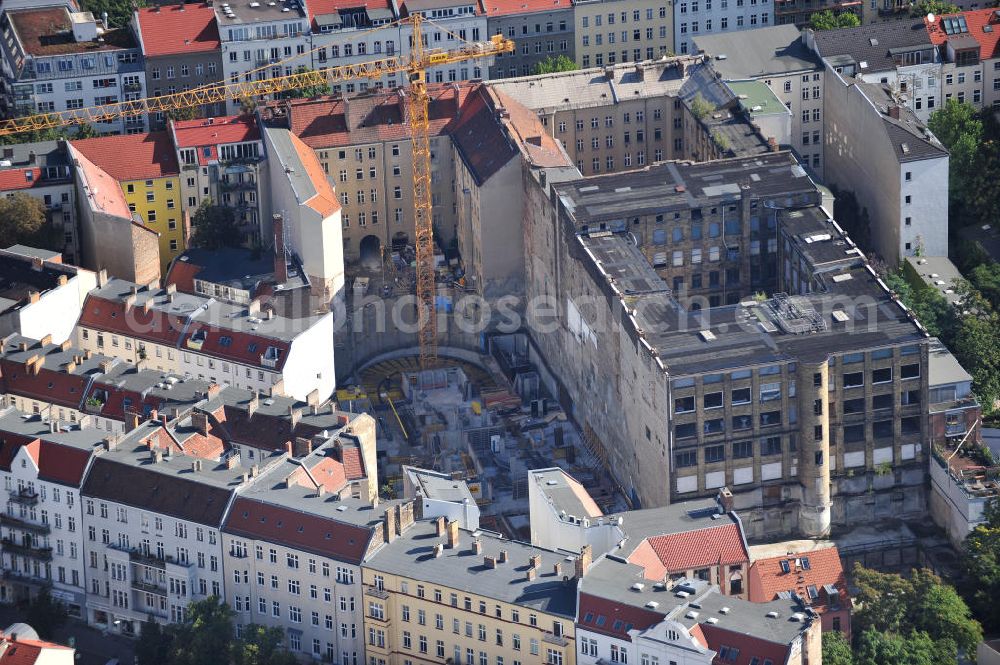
[[414, 66]]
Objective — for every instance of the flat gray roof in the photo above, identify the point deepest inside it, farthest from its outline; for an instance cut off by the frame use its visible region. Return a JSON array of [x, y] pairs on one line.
[[938, 273], [772, 51], [439, 486], [412, 555], [564, 492]]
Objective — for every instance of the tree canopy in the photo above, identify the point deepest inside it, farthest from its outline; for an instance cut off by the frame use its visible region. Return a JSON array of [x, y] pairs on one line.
[[827, 20], [937, 7], [45, 614], [560, 63], [981, 567], [119, 11], [23, 220], [214, 226]]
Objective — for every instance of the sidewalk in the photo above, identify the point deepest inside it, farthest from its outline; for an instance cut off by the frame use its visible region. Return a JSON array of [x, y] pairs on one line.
[[93, 647]]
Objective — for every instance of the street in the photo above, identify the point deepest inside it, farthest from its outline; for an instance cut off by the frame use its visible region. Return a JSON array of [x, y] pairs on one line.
[[93, 647]]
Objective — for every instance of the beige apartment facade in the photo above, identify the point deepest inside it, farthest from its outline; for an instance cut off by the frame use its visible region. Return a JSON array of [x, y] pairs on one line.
[[608, 32], [419, 607]]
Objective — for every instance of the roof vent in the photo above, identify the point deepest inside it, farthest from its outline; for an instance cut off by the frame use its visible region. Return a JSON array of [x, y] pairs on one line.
[[638, 586], [843, 277], [798, 616], [707, 335], [712, 620], [691, 614], [840, 316], [724, 610], [772, 615], [652, 604]]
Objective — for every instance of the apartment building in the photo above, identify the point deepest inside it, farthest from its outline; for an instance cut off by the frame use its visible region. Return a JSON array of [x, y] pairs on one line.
[[435, 592], [694, 19], [112, 237], [699, 539], [294, 546], [260, 41], [220, 160], [608, 32], [969, 51], [56, 59], [898, 54], [363, 143], [627, 612], [153, 518], [306, 221], [812, 575], [498, 145], [43, 171], [779, 57], [43, 297], [799, 12], [199, 337], [150, 180], [344, 34], [540, 29], [451, 24], [793, 425], [42, 527], [435, 494], [881, 151], [630, 116], [182, 49], [79, 389]]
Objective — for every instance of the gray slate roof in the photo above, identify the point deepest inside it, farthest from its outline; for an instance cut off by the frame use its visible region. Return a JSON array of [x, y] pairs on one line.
[[753, 53], [872, 43]]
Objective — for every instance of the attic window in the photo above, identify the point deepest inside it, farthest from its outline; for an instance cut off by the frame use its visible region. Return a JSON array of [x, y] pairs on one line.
[[252, 348], [784, 566], [225, 340], [245, 514], [29, 176], [813, 593], [299, 529], [588, 617], [905, 147], [805, 563], [328, 536], [278, 524]]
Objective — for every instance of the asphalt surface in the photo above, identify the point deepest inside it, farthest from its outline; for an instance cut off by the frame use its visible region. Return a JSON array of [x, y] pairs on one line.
[[93, 647]]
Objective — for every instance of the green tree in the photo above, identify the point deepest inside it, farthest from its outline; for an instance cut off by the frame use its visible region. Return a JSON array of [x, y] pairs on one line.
[[981, 567], [986, 278], [154, 645], [827, 20], [184, 113], [261, 646], [119, 11], [45, 614], [700, 107], [214, 226], [936, 7], [977, 344], [23, 219], [550, 65], [205, 635], [914, 607], [916, 648], [836, 649], [315, 90]]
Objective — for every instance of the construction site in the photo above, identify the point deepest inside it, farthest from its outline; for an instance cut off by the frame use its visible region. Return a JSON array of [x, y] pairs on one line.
[[486, 423]]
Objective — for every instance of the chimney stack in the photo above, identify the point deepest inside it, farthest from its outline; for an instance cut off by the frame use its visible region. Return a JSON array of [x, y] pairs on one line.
[[199, 421], [503, 556], [490, 561], [389, 525], [439, 526], [557, 569], [535, 561], [477, 547], [894, 111], [726, 500], [438, 550], [583, 561], [302, 446], [294, 415], [531, 574], [452, 529], [253, 404]]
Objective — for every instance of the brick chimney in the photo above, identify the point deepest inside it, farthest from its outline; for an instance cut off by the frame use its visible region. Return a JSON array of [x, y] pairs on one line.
[[477, 547], [200, 422], [302, 446], [726, 500], [439, 525], [490, 561], [531, 574], [294, 415], [583, 561], [894, 111], [253, 403], [503, 556], [557, 569], [280, 262], [389, 525], [535, 561], [452, 531]]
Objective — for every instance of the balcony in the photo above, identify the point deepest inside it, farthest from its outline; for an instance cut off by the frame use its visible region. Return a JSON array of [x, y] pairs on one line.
[[237, 186], [93, 405], [140, 557], [132, 87], [196, 340], [24, 578], [149, 587], [15, 523], [40, 553], [24, 497], [552, 638], [381, 594]]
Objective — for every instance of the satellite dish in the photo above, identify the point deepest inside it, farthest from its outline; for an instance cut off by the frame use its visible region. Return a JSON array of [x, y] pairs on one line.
[[930, 17]]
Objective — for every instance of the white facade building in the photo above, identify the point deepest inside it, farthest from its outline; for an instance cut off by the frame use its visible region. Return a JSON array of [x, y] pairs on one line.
[[343, 35], [42, 529], [200, 337], [262, 40], [56, 60], [436, 495], [693, 18], [452, 25]]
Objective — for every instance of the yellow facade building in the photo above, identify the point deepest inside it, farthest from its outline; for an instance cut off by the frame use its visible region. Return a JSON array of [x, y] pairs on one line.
[[145, 165], [436, 593]]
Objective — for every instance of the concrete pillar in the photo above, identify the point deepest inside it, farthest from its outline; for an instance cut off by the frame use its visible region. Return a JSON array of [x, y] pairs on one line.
[[814, 451]]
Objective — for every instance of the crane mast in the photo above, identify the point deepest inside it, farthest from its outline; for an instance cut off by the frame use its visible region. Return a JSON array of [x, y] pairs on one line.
[[414, 67]]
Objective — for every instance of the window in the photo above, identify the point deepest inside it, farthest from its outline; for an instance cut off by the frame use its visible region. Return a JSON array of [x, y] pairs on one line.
[[854, 379], [686, 458], [715, 454], [910, 371], [742, 449]]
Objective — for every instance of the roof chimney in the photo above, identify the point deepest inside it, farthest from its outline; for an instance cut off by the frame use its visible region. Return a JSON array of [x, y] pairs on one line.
[[894, 111], [583, 561], [253, 403], [294, 416], [439, 525], [477, 547], [535, 561], [452, 531], [199, 421], [503, 556], [531, 574], [726, 500], [490, 561], [438, 550], [389, 524]]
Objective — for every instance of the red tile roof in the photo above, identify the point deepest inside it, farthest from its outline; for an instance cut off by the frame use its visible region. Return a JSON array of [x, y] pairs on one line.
[[14, 179], [750, 647], [56, 463], [767, 578], [328, 122], [27, 652], [976, 20], [178, 29], [214, 131], [132, 156], [104, 193], [242, 347], [324, 201], [112, 316], [182, 274], [508, 7], [601, 615], [49, 385], [321, 7], [329, 473], [283, 526], [720, 545], [354, 463]]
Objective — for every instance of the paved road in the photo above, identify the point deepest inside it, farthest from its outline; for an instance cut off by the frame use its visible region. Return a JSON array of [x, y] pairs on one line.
[[92, 646]]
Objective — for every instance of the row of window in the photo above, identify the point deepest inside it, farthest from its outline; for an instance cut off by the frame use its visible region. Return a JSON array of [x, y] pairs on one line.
[[623, 16]]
